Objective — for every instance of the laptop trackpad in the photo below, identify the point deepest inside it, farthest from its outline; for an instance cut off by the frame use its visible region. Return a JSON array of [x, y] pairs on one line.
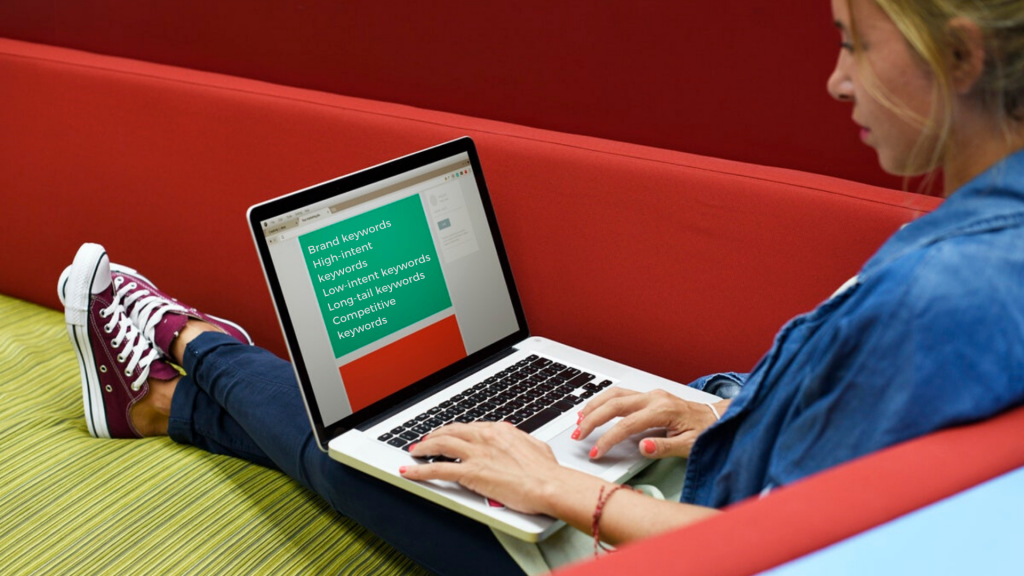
[[576, 453]]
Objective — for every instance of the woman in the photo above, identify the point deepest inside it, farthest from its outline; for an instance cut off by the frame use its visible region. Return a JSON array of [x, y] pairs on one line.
[[930, 334]]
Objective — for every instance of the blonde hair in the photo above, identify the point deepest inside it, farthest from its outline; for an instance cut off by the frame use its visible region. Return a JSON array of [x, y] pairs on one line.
[[924, 25]]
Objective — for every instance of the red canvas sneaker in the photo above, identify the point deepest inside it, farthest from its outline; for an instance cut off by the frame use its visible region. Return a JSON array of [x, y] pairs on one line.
[[114, 358]]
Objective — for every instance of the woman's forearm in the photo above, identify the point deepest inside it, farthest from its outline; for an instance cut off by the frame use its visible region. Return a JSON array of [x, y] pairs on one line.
[[572, 496]]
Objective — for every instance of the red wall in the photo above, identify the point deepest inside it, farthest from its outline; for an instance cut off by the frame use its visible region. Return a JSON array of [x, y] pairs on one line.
[[732, 79]]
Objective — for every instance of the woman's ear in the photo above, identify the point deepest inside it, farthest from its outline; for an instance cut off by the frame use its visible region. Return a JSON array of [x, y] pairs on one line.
[[966, 53]]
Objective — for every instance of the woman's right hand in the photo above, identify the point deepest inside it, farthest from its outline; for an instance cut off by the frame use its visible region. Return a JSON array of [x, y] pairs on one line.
[[495, 460], [682, 420], [501, 462]]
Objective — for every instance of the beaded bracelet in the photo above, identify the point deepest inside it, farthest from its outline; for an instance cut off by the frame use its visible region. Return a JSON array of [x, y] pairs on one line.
[[595, 528]]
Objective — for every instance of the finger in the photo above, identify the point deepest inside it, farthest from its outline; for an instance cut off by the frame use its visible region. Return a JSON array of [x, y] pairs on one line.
[[613, 407], [503, 434], [602, 398], [628, 426], [444, 445], [676, 446], [466, 431], [437, 471]]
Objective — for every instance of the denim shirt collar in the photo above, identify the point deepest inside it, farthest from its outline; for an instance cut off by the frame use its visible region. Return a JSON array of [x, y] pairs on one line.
[[992, 200]]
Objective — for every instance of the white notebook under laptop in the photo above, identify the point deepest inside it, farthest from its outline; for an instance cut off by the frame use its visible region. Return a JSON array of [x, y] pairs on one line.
[[398, 306]]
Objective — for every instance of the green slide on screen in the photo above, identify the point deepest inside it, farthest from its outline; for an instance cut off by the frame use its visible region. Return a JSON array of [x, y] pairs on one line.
[[375, 274]]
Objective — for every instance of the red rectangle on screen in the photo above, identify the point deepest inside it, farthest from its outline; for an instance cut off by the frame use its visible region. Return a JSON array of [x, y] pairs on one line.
[[401, 363]]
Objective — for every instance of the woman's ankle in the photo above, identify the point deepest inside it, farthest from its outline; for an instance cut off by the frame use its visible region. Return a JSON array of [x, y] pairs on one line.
[[151, 415], [186, 335]]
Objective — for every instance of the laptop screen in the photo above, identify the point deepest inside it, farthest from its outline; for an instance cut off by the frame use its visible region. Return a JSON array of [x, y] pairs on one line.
[[389, 282]]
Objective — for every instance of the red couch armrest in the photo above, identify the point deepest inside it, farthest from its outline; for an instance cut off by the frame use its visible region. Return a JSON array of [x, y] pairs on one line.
[[758, 534]]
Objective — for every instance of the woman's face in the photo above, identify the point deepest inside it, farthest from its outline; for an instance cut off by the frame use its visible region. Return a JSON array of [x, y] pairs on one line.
[[898, 73]]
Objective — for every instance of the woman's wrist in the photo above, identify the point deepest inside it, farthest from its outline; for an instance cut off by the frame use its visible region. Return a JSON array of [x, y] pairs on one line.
[[569, 494], [574, 497], [708, 413]]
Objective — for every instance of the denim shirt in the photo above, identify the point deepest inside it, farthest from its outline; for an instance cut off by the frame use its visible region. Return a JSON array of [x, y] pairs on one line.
[[930, 334]]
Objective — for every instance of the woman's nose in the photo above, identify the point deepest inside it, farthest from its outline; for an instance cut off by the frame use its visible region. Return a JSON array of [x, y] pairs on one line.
[[840, 84]]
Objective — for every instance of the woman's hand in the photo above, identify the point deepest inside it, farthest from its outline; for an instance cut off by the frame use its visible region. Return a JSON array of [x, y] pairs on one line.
[[497, 460], [682, 420], [503, 463]]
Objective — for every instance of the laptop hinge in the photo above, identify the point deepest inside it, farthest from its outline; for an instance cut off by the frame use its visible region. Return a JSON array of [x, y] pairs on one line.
[[440, 386]]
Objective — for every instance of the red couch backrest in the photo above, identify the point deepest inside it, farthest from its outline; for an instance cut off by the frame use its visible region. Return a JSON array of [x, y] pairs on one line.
[[737, 80], [675, 263]]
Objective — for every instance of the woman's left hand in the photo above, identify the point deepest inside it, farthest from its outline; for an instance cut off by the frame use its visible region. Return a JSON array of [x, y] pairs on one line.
[[682, 420], [497, 460]]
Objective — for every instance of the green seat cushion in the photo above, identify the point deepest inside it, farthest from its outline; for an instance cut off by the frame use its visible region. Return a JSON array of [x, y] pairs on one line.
[[73, 504]]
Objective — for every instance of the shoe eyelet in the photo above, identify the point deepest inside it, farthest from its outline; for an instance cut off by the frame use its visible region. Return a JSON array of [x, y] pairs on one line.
[[104, 370], [107, 329], [132, 286], [119, 280], [120, 357], [127, 372], [103, 314], [109, 388]]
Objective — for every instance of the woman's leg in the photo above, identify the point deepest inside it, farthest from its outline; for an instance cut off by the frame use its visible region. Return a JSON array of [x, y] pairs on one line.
[[198, 420], [236, 400], [244, 401]]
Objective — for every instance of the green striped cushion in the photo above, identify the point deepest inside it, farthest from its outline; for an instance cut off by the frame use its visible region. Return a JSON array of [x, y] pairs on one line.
[[73, 504]]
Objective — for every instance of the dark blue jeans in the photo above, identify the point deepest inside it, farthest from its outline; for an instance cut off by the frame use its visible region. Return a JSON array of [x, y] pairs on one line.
[[243, 401]]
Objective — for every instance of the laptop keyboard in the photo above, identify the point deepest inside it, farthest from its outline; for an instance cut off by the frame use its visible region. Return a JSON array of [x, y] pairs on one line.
[[529, 394]]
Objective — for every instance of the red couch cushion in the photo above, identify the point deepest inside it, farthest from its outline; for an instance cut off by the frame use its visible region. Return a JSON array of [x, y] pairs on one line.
[[678, 264]]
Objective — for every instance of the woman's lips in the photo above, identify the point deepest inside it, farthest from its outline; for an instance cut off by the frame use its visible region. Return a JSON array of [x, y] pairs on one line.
[[864, 133]]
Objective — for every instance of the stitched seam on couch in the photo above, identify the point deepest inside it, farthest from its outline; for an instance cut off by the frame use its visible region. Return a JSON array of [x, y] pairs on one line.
[[435, 123]]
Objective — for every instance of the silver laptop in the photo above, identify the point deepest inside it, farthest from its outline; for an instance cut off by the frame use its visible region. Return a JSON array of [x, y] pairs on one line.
[[399, 310]]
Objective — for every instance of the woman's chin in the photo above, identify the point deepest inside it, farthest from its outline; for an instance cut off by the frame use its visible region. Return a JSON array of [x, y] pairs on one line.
[[901, 167]]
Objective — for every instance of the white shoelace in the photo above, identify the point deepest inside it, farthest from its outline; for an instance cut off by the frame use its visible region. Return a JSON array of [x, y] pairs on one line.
[[144, 308], [135, 344]]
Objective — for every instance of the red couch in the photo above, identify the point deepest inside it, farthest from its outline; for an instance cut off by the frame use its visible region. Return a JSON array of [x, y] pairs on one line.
[[675, 263]]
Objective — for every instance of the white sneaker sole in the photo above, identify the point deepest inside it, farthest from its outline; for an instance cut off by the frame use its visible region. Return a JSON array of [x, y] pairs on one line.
[[76, 291]]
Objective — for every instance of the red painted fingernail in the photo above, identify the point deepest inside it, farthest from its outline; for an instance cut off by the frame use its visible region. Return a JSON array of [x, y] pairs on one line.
[[579, 418], [413, 447], [575, 434], [593, 452], [648, 445], [424, 437], [402, 469]]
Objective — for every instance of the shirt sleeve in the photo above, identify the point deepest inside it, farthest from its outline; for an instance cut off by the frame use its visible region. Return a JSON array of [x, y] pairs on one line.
[[724, 385], [928, 345]]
